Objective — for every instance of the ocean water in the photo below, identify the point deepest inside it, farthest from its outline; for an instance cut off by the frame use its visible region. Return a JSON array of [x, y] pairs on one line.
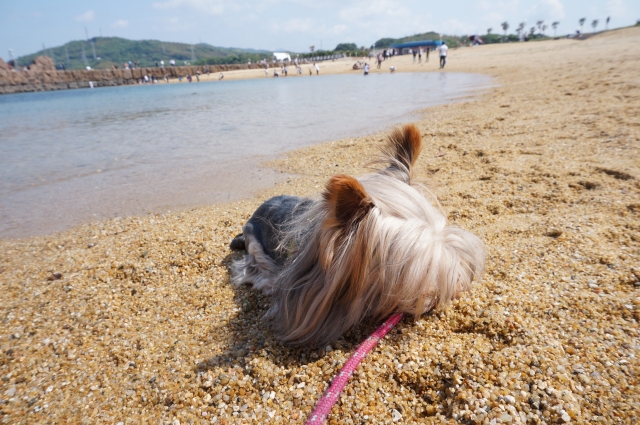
[[71, 156]]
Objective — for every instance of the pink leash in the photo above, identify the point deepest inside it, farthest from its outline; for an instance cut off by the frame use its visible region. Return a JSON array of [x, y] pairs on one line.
[[330, 397]]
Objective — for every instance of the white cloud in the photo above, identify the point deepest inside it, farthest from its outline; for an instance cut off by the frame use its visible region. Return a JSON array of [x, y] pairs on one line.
[[454, 26], [121, 23], [616, 8], [508, 7], [210, 7], [546, 9], [87, 16], [381, 9], [299, 25], [384, 18], [176, 25]]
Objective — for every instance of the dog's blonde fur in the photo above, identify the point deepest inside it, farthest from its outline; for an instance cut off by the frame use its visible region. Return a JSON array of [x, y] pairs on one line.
[[368, 248]]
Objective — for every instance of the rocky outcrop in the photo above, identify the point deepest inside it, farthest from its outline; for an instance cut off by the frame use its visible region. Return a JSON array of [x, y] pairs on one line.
[[42, 76], [42, 64], [4, 66]]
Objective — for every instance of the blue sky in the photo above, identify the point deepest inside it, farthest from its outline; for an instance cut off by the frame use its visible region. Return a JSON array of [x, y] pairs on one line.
[[285, 24]]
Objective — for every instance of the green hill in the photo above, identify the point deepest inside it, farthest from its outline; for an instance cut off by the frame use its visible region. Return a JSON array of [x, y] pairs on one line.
[[386, 42], [111, 51]]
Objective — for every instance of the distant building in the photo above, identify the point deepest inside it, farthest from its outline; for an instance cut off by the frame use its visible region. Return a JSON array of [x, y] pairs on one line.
[[403, 48], [281, 57]]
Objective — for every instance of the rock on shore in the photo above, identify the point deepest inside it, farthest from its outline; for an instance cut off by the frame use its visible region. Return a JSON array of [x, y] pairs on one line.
[[43, 76]]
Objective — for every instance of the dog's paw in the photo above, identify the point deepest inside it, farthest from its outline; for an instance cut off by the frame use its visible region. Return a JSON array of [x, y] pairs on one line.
[[237, 243]]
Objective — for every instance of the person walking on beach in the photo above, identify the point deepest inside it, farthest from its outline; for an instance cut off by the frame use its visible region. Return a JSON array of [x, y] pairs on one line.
[[379, 60], [420, 55], [443, 54], [427, 54], [414, 55], [317, 68], [366, 69]]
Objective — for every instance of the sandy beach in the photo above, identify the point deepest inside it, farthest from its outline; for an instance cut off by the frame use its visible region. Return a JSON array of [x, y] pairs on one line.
[[133, 320]]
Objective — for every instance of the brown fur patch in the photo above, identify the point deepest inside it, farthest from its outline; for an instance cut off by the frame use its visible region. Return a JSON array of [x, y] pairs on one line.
[[406, 144], [347, 199]]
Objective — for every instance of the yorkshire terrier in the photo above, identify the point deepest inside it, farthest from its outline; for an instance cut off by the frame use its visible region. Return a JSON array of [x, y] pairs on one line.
[[365, 249]]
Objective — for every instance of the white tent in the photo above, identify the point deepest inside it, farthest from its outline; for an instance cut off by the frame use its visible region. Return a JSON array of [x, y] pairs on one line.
[[281, 57]]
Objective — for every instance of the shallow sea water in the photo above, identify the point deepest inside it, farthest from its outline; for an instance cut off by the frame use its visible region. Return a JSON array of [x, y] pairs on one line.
[[71, 156]]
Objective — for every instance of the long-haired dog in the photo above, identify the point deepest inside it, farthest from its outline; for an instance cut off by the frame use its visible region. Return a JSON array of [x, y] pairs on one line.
[[367, 248]]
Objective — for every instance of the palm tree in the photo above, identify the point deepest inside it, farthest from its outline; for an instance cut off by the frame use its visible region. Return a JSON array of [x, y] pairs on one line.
[[539, 25], [544, 28], [555, 27], [532, 31], [312, 48], [489, 31], [594, 24], [607, 24], [582, 20], [505, 27], [520, 28]]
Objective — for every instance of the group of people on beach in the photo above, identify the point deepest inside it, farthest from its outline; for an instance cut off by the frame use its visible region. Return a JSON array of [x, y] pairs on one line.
[[381, 56], [418, 52], [285, 71]]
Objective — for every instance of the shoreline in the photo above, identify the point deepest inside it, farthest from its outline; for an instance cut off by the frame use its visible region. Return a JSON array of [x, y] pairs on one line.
[[133, 319], [136, 189]]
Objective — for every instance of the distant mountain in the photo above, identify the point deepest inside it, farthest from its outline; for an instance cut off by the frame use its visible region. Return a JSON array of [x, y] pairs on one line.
[[386, 42], [111, 51]]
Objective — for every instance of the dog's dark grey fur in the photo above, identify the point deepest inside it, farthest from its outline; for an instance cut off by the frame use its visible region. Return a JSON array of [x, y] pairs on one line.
[[266, 223]]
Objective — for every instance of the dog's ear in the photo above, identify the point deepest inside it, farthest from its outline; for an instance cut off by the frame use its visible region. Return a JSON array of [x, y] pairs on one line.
[[347, 200], [402, 150]]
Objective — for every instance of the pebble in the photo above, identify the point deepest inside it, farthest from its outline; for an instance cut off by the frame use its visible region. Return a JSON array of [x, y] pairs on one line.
[[506, 418]]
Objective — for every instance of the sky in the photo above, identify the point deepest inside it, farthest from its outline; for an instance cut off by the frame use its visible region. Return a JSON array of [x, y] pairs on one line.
[[292, 25]]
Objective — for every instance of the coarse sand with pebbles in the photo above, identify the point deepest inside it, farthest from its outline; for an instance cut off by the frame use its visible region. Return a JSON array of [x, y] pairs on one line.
[[133, 320]]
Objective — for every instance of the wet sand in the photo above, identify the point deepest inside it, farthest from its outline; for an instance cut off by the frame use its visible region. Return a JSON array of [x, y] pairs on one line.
[[132, 320]]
